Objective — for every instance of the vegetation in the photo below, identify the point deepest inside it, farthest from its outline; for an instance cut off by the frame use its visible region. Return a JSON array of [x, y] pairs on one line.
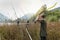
[[14, 32], [53, 15]]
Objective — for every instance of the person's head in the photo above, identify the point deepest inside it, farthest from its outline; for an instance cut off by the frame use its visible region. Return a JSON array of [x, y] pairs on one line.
[[28, 21], [43, 16]]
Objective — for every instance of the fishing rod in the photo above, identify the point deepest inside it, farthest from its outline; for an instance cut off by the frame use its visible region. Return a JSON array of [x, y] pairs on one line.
[[26, 26], [14, 9], [27, 29], [23, 12]]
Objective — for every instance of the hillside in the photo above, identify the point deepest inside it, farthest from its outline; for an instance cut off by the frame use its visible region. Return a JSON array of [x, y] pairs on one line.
[[53, 15], [3, 18], [27, 16]]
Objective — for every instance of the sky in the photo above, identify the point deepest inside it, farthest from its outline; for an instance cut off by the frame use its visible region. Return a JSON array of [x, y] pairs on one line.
[[22, 7]]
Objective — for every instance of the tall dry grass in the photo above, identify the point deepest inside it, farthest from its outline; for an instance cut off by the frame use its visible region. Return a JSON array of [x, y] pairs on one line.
[[14, 32]]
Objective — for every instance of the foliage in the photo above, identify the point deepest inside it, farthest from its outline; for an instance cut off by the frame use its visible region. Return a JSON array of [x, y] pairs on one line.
[[53, 15]]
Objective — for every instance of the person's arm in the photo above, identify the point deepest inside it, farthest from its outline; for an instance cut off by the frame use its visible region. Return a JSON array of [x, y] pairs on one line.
[[38, 19]]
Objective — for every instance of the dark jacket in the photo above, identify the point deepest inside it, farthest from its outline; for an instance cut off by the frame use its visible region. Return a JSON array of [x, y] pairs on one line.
[[43, 28]]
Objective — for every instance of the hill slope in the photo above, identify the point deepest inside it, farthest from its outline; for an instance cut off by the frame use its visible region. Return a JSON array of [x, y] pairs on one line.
[[3, 18]]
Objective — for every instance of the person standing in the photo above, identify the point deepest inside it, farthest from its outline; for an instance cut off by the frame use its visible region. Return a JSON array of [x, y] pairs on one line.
[[27, 24], [43, 26], [18, 23], [43, 33]]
